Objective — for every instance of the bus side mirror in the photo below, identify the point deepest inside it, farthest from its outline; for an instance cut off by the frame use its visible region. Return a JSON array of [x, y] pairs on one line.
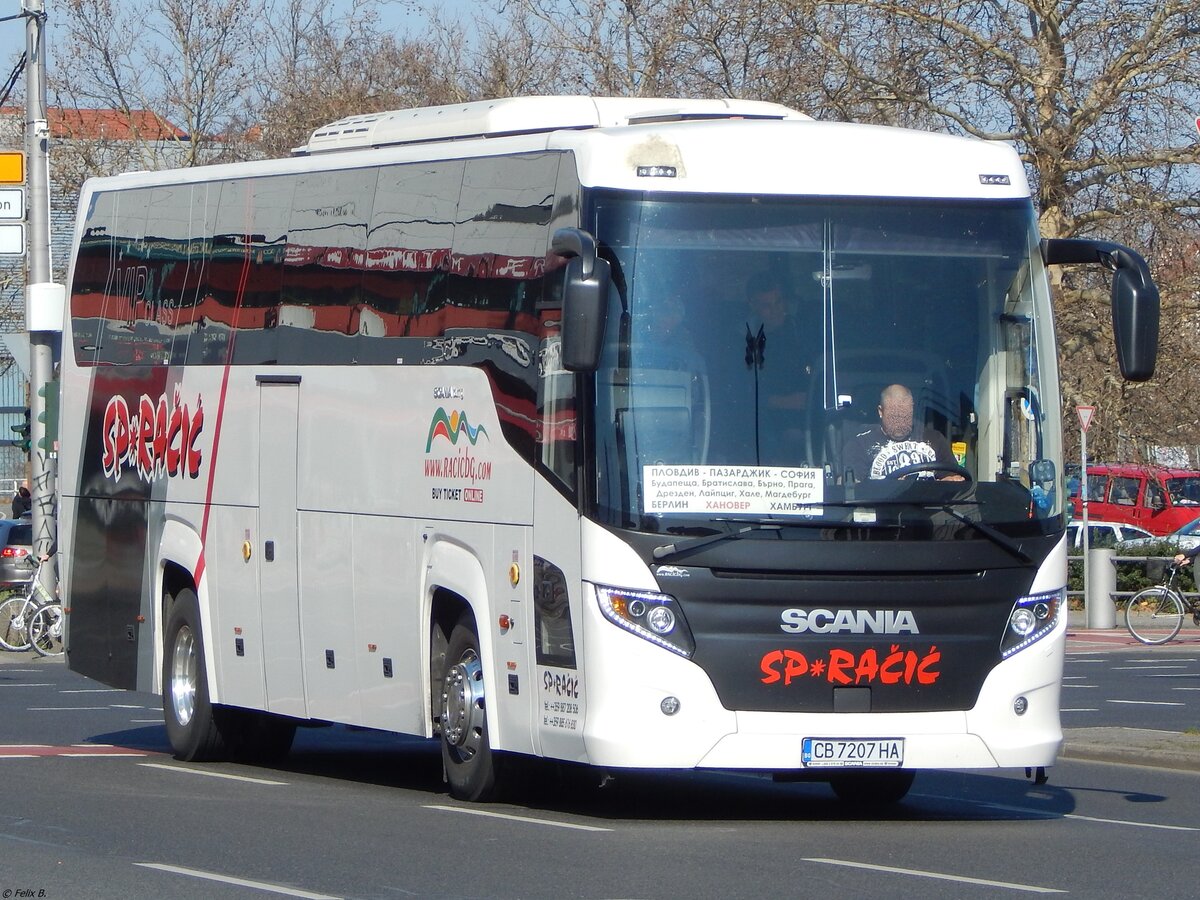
[[584, 299], [1135, 302], [1135, 311]]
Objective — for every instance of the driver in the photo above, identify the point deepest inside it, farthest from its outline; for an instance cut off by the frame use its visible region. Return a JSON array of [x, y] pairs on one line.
[[896, 442]]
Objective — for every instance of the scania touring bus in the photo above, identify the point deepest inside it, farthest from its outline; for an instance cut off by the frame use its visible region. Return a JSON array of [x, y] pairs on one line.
[[522, 424]]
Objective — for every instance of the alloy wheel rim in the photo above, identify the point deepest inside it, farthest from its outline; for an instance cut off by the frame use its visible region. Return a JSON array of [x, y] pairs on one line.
[[183, 676]]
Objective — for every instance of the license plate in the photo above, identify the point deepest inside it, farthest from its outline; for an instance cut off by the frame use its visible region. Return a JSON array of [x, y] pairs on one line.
[[852, 752]]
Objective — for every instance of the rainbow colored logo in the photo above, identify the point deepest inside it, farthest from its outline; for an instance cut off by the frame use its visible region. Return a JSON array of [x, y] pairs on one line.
[[451, 426]]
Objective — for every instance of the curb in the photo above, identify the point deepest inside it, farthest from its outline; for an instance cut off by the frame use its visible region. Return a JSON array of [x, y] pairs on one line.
[[1133, 746]]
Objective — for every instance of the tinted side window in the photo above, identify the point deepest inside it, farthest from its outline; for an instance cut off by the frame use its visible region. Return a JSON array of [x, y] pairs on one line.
[[1123, 491], [322, 306], [1101, 536], [557, 415], [183, 216], [125, 297], [90, 279], [496, 279], [1155, 496], [1096, 487], [408, 254], [500, 242]]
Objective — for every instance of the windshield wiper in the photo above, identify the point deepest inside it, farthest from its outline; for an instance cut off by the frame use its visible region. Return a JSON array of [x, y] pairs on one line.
[[998, 538], [695, 543]]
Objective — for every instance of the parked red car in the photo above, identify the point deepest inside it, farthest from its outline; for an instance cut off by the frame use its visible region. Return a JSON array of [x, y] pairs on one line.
[[1156, 498]]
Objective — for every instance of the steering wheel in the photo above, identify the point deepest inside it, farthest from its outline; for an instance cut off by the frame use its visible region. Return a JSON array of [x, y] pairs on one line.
[[917, 468]]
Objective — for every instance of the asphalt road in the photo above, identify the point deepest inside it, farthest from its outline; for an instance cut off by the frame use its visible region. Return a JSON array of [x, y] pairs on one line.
[[94, 806]]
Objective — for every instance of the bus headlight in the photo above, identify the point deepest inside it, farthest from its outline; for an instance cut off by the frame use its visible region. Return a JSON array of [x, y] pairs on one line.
[[655, 617], [1031, 619]]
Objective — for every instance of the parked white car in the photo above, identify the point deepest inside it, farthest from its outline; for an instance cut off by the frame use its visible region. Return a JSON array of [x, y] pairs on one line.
[[1104, 534], [1185, 538]]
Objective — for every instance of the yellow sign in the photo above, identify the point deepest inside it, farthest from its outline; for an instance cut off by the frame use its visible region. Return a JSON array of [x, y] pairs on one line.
[[12, 167]]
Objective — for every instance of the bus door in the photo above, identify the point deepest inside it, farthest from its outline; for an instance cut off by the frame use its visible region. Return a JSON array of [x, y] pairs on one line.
[[278, 529]]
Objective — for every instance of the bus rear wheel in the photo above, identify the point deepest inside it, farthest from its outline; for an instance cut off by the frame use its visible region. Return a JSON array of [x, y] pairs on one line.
[[198, 729], [471, 767], [192, 726], [873, 788]]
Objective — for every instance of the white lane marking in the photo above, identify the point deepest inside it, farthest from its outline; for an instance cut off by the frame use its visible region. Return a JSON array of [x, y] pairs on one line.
[[1148, 702], [130, 755], [1186, 689], [1051, 815], [1080, 685], [27, 684], [240, 882], [526, 819], [1134, 824], [1158, 659], [1074, 660], [208, 774], [1180, 675], [941, 876], [1073, 677], [1082, 709], [1142, 668], [65, 708], [92, 691], [145, 721]]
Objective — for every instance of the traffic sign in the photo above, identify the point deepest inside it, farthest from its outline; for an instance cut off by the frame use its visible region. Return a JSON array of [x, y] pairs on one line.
[[12, 204], [1085, 414], [12, 166], [12, 239]]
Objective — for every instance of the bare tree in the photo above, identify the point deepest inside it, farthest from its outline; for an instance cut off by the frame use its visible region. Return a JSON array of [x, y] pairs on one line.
[[320, 62], [187, 62]]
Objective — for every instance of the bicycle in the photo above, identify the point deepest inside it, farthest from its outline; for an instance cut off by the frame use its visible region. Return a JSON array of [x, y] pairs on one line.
[[1155, 614], [32, 618]]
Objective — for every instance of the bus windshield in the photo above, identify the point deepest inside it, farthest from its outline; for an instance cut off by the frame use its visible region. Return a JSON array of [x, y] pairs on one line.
[[808, 361]]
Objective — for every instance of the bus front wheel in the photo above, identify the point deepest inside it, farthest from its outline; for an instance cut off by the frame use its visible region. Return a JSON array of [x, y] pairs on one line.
[[470, 766]]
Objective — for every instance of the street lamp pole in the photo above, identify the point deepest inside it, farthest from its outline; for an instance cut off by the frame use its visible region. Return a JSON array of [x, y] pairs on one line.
[[43, 300]]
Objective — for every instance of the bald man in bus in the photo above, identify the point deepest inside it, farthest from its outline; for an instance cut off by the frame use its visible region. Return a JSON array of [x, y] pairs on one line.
[[897, 442]]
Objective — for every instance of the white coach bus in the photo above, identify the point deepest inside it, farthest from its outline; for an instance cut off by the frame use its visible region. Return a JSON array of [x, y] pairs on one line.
[[524, 424]]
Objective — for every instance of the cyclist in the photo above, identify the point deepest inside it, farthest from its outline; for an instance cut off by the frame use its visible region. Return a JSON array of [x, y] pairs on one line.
[[1184, 557]]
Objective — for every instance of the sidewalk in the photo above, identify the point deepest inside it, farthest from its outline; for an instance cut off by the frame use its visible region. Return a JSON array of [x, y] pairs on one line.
[[1081, 638]]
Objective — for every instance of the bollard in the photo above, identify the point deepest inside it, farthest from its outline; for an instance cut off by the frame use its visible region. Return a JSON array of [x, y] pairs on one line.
[[1098, 604]]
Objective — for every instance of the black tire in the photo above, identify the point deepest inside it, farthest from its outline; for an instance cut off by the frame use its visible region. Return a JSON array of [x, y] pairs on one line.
[[192, 727], [14, 619], [45, 629], [198, 729], [1154, 615], [878, 787], [472, 769]]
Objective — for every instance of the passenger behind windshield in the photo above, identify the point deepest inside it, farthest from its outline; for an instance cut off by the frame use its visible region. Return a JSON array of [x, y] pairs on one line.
[[783, 355], [669, 386], [897, 442], [661, 340]]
